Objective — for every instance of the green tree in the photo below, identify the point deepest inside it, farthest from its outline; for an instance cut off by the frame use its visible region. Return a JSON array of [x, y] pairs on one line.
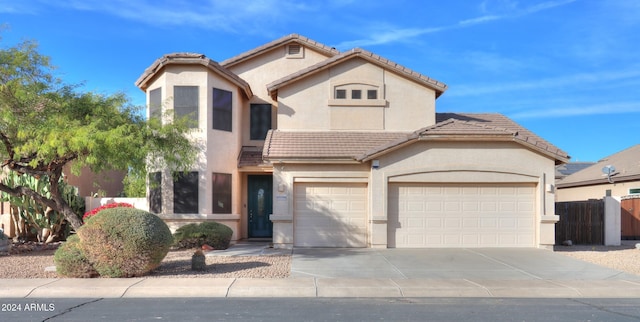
[[46, 124]]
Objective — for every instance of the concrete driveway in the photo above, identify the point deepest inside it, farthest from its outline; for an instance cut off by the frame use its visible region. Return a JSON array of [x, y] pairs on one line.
[[473, 264]]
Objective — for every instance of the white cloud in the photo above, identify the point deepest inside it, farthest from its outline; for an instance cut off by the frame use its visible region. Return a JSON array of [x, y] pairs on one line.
[[377, 37], [599, 109], [208, 14], [576, 80]]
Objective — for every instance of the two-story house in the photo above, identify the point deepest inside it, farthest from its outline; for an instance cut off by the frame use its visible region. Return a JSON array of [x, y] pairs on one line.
[[312, 147]]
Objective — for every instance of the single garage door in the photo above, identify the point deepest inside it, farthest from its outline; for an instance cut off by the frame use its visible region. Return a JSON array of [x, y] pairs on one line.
[[330, 215], [460, 215]]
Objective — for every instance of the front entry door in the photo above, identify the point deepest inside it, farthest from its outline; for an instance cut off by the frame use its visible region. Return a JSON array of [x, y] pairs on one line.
[[260, 191]]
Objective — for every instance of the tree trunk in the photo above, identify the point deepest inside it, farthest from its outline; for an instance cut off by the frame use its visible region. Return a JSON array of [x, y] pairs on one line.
[[62, 205]]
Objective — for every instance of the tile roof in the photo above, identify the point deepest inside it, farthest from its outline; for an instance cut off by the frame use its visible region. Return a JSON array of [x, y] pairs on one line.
[[251, 157], [364, 146], [190, 59], [485, 126], [327, 145], [437, 86], [625, 162], [324, 49], [570, 168]]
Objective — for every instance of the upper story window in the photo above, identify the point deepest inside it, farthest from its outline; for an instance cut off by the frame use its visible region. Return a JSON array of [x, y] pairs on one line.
[[222, 110], [357, 94], [260, 121], [294, 51], [185, 103], [634, 191], [155, 103]]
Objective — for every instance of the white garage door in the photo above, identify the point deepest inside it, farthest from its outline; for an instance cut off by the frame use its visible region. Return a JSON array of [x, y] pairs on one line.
[[330, 215], [436, 215]]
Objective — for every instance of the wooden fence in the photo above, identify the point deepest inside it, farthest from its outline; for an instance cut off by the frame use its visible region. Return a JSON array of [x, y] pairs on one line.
[[630, 217], [582, 222]]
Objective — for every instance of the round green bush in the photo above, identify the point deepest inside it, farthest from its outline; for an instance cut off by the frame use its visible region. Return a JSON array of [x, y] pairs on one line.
[[125, 242], [211, 233], [70, 260]]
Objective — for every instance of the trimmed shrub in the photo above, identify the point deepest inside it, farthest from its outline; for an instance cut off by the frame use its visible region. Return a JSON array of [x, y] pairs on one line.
[[125, 242], [70, 260], [211, 233], [95, 211]]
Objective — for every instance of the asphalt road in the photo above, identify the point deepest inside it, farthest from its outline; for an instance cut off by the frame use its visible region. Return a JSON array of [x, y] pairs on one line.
[[320, 309]]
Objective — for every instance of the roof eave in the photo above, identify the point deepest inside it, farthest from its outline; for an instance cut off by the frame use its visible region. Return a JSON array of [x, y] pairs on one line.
[[433, 84]]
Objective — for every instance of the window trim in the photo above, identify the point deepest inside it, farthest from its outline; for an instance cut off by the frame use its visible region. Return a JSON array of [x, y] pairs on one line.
[[351, 88]]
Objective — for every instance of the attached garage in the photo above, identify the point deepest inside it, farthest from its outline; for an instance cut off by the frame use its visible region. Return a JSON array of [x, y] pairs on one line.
[[461, 215], [330, 215]]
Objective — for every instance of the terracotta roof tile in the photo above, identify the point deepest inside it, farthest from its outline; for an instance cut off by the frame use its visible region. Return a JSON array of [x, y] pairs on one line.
[[250, 156], [190, 59], [438, 86], [469, 125], [625, 162], [499, 121], [338, 145], [324, 49]]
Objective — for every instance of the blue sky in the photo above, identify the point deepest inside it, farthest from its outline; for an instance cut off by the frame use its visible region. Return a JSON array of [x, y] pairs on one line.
[[569, 70]]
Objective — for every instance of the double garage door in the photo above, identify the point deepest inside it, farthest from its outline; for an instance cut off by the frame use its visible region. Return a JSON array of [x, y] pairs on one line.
[[419, 215], [459, 215]]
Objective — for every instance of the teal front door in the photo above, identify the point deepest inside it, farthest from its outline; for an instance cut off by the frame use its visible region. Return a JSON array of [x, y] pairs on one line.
[[260, 199]]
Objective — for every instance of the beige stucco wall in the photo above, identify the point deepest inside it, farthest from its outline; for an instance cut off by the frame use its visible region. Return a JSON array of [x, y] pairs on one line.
[[595, 191], [402, 105], [466, 162], [284, 177], [218, 150], [433, 162]]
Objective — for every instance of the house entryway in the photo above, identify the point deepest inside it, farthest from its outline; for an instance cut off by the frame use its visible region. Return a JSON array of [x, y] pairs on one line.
[[260, 205]]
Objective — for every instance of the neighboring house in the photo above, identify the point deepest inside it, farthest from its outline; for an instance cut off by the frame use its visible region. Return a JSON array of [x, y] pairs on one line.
[[594, 182], [311, 147], [566, 169]]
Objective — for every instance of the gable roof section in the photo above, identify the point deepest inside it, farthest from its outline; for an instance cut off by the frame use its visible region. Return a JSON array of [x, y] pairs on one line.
[[312, 44], [486, 127], [323, 145], [627, 168], [437, 86], [191, 59]]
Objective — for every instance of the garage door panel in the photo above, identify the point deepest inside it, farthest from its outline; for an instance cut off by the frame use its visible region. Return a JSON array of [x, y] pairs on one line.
[[330, 215], [461, 215]]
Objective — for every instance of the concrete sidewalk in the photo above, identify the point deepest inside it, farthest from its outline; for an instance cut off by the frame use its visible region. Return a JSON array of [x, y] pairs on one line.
[[314, 287]]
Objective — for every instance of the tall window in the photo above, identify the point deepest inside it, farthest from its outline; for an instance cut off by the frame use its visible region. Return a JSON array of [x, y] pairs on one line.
[[222, 110], [155, 192], [185, 193], [221, 193], [260, 121], [155, 103], [185, 103]]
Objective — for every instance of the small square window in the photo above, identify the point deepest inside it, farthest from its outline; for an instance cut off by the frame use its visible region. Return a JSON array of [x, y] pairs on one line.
[[372, 94], [341, 93], [356, 94]]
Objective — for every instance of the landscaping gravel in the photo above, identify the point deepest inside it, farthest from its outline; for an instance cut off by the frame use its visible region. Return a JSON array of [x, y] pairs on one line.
[[31, 261]]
